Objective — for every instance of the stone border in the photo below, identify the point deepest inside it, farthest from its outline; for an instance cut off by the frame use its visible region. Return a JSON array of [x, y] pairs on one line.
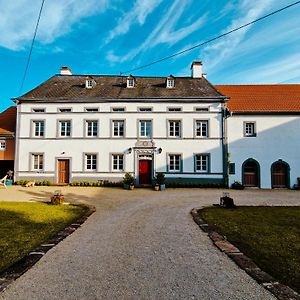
[[282, 292], [24, 264]]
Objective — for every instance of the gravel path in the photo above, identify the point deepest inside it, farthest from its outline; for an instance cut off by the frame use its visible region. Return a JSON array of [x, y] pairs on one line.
[[139, 245]]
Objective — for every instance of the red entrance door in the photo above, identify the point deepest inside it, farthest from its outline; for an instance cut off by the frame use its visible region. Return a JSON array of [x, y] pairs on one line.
[[145, 170]]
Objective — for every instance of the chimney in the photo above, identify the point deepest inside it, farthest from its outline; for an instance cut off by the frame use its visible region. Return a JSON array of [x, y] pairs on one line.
[[196, 68], [65, 71]]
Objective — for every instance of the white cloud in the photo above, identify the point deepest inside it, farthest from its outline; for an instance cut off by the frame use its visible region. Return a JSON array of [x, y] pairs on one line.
[[18, 19], [164, 32], [138, 15], [248, 11]]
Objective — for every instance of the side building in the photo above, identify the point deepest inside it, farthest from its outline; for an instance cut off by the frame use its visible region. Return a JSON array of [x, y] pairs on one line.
[[7, 140], [263, 134], [94, 127]]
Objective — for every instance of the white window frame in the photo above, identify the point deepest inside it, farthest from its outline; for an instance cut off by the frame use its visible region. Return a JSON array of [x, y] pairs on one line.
[[38, 110], [116, 158], [89, 83], [170, 83], [92, 134], [145, 109], [40, 161], [91, 109], [174, 109], [204, 160], [172, 162], [247, 131], [118, 122], [91, 162], [2, 145], [172, 128], [130, 83], [37, 132], [199, 133], [60, 122], [145, 135]]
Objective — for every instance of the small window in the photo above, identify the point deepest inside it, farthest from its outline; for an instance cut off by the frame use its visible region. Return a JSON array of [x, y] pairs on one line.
[[91, 162], [145, 109], [92, 128], [145, 128], [201, 128], [201, 109], [2, 145], [201, 162], [118, 109], [64, 110], [170, 83], [37, 162], [249, 129], [89, 83], [175, 129], [232, 168], [118, 129], [39, 127], [174, 162], [65, 128], [174, 109], [92, 109], [130, 82], [38, 110], [118, 162]]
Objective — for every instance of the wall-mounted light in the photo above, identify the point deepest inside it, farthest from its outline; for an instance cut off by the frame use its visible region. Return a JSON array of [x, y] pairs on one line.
[[63, 152], [159, 150], [129, 150]]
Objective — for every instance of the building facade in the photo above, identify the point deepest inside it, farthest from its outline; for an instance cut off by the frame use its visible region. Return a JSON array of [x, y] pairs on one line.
[[7, 140], [83, 127], [263, 134]]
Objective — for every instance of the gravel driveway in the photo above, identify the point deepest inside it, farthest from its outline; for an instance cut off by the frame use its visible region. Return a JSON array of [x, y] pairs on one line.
[[139, 245]]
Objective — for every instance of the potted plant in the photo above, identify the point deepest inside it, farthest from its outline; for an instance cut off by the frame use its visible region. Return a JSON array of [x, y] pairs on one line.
[[9, 179], [160, 181], [237, 185], [128, 181]]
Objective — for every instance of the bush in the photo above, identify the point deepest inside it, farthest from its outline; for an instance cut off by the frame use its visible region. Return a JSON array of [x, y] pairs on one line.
[[128, 179], [160, 178], [99, 183], [193, 185]]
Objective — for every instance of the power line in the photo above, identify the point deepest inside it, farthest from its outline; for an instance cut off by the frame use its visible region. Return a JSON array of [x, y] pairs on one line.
[[31, 48], [212, 39]]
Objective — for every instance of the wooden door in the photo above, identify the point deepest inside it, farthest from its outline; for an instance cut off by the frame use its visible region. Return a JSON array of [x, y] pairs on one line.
[[279, 176], [145, 171], [63, 171], [250, 174]]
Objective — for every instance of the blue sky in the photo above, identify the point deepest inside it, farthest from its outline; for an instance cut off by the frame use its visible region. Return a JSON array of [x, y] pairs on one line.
[[106, 37]]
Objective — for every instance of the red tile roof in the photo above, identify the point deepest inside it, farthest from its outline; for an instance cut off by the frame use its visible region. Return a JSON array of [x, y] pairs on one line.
[[8, 120], [262, 98]]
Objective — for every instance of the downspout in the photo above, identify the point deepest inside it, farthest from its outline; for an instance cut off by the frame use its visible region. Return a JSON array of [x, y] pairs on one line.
[[225, 115], [17, 133]]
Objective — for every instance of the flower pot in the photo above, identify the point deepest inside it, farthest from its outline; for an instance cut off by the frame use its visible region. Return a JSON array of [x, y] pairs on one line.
[[162, 187], [8, 182], [156, 188], [126, 186], [131, 187]]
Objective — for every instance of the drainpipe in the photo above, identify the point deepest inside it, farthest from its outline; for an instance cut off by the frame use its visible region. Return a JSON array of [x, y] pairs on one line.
[[225, 115]]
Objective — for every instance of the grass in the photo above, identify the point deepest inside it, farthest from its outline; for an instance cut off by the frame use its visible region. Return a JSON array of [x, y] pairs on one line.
[[268, 235], [25, 226]]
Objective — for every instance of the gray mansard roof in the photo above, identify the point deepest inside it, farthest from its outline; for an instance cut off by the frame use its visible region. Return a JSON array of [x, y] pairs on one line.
[[72, 88]]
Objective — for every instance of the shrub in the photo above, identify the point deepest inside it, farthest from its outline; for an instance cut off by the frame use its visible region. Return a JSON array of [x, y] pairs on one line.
[[128, 179], [160, 178]]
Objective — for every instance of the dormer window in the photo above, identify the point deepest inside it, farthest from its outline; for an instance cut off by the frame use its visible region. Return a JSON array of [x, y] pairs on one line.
[[130, 81], [90, 83], [170, 82]]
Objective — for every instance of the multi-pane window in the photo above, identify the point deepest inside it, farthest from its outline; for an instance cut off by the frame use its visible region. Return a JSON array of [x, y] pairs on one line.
[[174, 109], [89, 84], [130, 82], [64, 110], [2, 145], [118, 162], [39, 127], [201, 109], [118, 109], [146, 128], [38, 162], [145, 109], [174, 162], [201, 128], [91, 161], [175, 128], [92, 128], [65, 128], [38, 110], [249, 129], [202, 162], [92, 109], [170, 83], [118, 128]]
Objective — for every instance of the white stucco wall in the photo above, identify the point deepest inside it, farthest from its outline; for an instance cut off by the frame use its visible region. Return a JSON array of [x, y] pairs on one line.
[[54, 147], [277, 137]]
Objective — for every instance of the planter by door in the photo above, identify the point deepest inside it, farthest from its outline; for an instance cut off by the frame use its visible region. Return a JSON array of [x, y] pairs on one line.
[[145, 171], [63, 171], [251, 173], [280, 176]]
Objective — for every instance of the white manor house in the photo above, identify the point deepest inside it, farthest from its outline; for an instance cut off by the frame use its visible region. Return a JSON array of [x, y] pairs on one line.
[[97, 127]]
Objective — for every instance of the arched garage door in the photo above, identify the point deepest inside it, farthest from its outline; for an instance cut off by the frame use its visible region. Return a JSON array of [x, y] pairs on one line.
[[280, 172]]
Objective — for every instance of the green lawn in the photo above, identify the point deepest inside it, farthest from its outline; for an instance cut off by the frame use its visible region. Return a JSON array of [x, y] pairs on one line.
[[24, 226], [268, 235]]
